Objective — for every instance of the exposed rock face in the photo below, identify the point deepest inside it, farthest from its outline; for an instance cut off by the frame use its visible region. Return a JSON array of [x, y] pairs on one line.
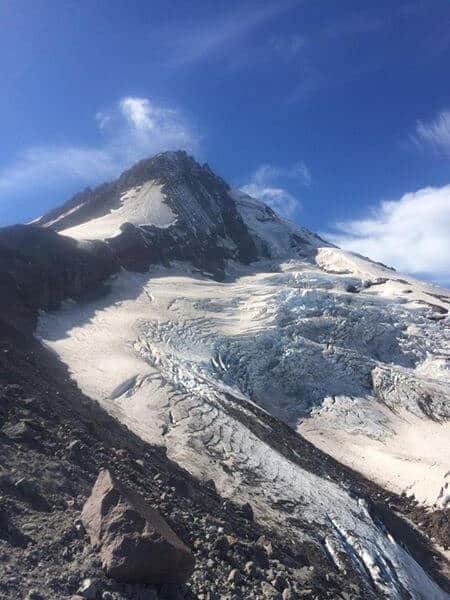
[[39, 269], [135, 543]]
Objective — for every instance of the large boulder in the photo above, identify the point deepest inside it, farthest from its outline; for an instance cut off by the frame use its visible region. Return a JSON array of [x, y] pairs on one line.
[[134, 542]]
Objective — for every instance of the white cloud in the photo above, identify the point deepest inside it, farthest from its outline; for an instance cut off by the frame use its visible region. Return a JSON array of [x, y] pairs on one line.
[[279, 199], [434, 133], [137, 127], [266, 173], [264, 185], [139, 112], [133, 129], [47, 165], [412, 234]]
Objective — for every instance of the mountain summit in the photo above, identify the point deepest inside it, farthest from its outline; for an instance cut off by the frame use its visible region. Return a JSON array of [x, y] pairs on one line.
[[295, 380], [174, 208]]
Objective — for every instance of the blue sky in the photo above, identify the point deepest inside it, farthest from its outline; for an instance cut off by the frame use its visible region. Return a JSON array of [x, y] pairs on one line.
[[336, 112]]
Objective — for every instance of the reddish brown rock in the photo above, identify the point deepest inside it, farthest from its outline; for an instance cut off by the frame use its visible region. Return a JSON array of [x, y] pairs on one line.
[[134, 542]]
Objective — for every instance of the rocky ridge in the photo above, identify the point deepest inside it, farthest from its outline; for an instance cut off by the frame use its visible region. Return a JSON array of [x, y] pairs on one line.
[[207, 226]]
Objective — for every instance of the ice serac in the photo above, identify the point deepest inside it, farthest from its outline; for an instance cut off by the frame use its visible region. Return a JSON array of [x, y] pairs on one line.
[[230, 331]]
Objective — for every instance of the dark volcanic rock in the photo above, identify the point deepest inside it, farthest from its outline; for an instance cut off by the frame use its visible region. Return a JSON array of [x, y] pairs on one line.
[[39, 269], [135, 543], [20, 432]]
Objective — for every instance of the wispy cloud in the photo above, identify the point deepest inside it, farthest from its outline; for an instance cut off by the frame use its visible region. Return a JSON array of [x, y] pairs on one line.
[[130, 130], [265, 184], [137, 127], [406, 32], [222, 35], [288, 46], [326, 57], [411, 234], [44, 166], [434, 134], [353, 24]]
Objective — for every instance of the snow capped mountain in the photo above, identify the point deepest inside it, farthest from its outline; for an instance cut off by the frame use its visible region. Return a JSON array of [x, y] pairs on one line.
[[175, 209], [224, 331]]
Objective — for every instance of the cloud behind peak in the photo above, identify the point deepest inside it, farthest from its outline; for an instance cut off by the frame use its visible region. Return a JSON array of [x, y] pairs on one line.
[[132, 129], [410, 234]]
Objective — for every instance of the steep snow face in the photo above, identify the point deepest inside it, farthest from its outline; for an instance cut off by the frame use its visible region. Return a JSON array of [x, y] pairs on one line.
[[141, 205], [279, 237], [189, 363]]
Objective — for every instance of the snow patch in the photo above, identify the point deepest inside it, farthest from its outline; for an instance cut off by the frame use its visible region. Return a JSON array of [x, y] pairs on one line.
[[141, 205]]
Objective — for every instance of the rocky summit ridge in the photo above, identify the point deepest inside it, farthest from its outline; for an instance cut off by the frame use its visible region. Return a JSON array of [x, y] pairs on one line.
[[252, 397]]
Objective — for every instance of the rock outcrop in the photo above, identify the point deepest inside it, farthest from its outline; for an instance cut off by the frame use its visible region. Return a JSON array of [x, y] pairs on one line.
[[134, 542], [39, 269]]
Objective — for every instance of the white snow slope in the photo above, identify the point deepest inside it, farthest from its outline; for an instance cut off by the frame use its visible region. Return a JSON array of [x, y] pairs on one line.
[[347, 352], [141, 205]]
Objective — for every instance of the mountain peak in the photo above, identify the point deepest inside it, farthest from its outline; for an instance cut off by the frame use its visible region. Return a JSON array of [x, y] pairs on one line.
[[174, 208]]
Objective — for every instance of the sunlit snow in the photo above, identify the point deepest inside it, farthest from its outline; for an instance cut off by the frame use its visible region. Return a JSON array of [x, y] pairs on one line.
[[140, 205]]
